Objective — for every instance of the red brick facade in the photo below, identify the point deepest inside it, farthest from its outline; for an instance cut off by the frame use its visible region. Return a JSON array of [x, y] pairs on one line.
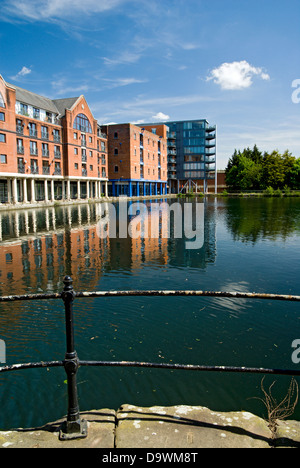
[[137, 160], [49, 150]]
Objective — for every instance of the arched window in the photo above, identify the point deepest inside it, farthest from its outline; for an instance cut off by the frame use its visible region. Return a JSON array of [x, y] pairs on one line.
[[1, 101], [82, 123]]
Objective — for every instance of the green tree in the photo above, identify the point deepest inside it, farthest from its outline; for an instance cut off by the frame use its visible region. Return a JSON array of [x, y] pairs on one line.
[[273, 174], [295, 175], [243, 171]]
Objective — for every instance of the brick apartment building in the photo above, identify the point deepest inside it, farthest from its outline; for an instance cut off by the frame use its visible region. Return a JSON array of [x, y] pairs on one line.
[[137, 160], [49, 149]]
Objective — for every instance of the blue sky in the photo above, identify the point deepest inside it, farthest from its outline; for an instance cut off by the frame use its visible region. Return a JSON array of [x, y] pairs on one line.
[[232, 62]]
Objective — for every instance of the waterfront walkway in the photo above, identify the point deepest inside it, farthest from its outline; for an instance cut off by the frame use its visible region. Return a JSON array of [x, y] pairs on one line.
[[177, 427]]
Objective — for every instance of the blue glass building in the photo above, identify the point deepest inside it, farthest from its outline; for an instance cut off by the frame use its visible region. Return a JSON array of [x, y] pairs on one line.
[[191, 155], [192, 144]]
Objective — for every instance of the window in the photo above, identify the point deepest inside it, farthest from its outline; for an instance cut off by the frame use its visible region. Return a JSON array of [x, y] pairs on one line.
[[32, 129], [91, 168], [116, 151], [75, 150], [56, 135], [90, 139], [75, 136], [1, 101], [44, 133], [82, 123], [2, 138], [2, 116], [116, 168], [36, 113], [116, 136], [3, 159], [24, 109], [76, 166]]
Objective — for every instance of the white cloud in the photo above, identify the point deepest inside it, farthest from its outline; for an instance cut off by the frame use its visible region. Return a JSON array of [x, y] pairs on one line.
[[119, 82], [160, 116], [124, 58], [53, 9], [23, 72], [236, 75]]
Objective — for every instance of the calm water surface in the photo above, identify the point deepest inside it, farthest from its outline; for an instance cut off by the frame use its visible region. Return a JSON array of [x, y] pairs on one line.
[[249, 245]]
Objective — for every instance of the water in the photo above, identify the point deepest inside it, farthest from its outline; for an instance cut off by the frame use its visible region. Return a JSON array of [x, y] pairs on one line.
[[249, 245]]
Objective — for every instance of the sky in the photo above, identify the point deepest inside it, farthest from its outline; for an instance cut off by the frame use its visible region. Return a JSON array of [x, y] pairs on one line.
[[234, 63]]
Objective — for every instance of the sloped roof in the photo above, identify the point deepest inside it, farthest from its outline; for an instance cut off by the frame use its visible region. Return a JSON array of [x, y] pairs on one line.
[[33, 99], [63, 104]]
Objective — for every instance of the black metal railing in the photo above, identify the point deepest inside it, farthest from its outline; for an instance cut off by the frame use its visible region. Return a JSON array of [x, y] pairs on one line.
[[75, 427]]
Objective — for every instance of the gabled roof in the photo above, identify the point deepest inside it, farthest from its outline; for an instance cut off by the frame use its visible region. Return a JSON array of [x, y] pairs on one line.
[[63, 104], [33, 99]]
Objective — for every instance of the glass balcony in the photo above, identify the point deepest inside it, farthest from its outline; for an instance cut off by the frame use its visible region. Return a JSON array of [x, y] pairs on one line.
[[20, 149]]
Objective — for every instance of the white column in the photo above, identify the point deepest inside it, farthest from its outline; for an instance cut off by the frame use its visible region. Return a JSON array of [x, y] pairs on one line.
[[106, 188], [32, 190], [15, 190], [63, 190], [78, 190], [52, 190], [46, 190], [68, 190], [25, 197], [87, 189], [8, 190]]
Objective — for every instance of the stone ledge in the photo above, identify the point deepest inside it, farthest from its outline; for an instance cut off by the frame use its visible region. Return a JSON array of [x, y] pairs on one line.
[[157, 427]]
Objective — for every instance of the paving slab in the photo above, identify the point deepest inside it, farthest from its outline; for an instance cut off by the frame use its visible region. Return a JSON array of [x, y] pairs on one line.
[[101, 433], [189, 427]]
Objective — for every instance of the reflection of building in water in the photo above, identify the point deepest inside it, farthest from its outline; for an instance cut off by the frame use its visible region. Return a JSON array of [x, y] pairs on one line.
[[49, 244], [180, 256], [145, 245], [40, 247]]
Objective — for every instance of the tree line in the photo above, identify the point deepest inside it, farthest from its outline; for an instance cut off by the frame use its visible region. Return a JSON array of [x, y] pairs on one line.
[[251, 169]]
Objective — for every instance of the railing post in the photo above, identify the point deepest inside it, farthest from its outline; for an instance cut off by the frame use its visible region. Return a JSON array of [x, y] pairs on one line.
[[73, 427]]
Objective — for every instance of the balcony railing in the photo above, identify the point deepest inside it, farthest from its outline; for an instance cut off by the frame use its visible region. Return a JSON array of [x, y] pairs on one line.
[[33, 133], [45, 135], [33, 151], [20, 129], [21, 168], [45, 153], [56, 138], [84, 172], [57, 171], [46, 170], [57, 154], [34, 169], [20, 149]]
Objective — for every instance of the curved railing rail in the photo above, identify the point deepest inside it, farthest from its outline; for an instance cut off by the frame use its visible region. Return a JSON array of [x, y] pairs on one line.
[[74, 426]]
